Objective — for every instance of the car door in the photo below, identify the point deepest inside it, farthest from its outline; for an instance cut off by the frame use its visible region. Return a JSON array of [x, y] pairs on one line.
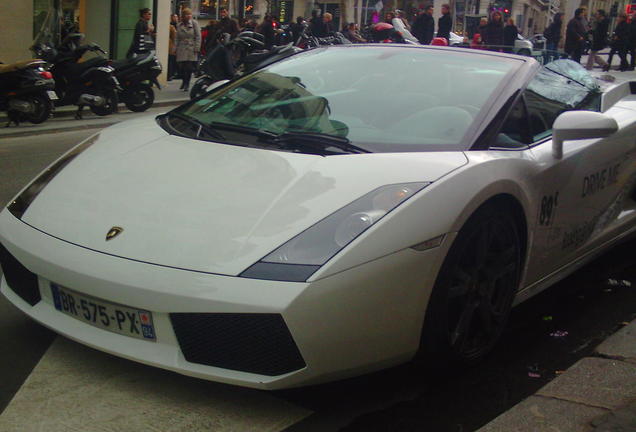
[[574, 198]]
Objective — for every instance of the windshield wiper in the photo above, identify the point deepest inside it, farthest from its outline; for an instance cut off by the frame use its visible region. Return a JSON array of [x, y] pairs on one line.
[[199, 125], [260, 133], [317, 141]]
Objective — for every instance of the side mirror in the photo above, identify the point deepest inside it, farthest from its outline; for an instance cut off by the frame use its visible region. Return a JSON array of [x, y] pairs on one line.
[[577, 125]]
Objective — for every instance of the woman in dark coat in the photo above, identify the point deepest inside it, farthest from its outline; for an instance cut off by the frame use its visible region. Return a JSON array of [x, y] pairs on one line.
[[493, 33], [552, 38], [575, 36], [510, 34]]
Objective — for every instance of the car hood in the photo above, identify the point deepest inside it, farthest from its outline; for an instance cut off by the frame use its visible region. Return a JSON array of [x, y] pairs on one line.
[[204, 206]]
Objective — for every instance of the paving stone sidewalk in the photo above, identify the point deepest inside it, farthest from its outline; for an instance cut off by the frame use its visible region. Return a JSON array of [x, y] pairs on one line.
[[596, 394]]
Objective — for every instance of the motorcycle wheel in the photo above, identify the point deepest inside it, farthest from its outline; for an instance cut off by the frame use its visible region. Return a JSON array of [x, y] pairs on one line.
[[110, 106], [139, 98], [42, 109], [199, 88]]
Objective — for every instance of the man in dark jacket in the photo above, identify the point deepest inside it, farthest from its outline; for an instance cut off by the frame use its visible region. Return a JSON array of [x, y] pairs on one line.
[[445, 23], [575, 35], [227, 24], [143, 39], [599, 40], [620, 41], [424, 26]]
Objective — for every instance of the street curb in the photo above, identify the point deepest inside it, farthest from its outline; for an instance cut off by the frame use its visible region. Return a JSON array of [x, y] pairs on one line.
[[585, 397], [80, 126], [70, 110]]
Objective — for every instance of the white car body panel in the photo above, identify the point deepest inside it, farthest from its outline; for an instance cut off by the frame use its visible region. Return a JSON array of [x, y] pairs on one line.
[[245, 202], [222, 208]]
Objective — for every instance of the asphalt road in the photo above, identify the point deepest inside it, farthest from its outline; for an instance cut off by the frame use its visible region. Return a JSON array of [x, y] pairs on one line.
[[546, 334]]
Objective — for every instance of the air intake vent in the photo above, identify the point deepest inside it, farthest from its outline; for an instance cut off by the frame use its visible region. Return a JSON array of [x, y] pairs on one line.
[[255, 343], [20, 280]]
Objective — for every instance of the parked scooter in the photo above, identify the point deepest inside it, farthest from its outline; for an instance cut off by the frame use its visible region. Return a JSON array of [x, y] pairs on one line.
[[307, 41], [136, 77], [231, 59], [26, 91], [89, 83]]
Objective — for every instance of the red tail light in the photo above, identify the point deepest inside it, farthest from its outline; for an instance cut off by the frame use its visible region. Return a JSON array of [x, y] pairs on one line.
[[46, 74]]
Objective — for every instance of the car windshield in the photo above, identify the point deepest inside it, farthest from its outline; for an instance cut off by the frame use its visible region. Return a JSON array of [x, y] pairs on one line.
[[377, 98]]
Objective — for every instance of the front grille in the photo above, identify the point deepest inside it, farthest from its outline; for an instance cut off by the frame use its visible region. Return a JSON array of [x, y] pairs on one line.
[[255, 343], [20, 280]]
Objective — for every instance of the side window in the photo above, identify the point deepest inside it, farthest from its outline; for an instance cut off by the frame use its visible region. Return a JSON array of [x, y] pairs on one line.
[[554, 89], [515, 132]]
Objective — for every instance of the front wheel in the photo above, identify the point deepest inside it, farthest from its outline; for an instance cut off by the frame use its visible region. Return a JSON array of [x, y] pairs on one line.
[[472, 298], [110, 103], [139, 98]]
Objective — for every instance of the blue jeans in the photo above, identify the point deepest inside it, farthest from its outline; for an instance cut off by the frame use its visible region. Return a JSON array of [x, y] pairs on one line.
[[550, 52]]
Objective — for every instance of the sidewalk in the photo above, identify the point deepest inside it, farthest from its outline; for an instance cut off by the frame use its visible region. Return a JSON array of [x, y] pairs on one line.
[[597, 393], [63, 119]]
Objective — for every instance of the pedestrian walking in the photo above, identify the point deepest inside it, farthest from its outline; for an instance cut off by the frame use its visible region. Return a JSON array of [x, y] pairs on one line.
[[316, 24], [575, 36], [631, 45], [552, 36], [143, 37], [297, 28], [424, 26], [599, 40], [445, 23], [172, 47], [188, 42], [266, 28], [327, 21], [493, 33], [620, 41], [510, 34], [208, 36]]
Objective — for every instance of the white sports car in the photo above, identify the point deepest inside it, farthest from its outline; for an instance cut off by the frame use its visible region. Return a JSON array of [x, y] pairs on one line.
[[338, 212]]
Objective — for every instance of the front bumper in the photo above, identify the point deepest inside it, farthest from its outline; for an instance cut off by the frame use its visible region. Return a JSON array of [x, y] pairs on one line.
[[362, 319]]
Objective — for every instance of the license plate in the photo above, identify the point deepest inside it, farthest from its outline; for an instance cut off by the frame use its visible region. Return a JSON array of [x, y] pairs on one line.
[[52, 94], [136, 323]]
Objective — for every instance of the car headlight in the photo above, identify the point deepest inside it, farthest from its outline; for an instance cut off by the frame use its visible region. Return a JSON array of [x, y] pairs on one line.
[[301, 256], [21, 203]]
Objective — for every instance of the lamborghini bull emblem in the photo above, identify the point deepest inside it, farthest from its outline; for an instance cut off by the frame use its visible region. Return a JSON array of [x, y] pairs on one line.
[[113, 232]]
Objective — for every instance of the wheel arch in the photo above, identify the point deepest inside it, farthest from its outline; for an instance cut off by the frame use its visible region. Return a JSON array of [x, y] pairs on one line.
[[506, 194]]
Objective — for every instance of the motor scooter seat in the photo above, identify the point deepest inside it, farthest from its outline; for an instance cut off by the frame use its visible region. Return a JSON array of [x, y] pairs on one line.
[[25, 64], [77, 69]]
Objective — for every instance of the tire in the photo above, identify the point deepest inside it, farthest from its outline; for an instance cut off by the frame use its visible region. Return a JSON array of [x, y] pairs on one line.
[[43, 108], [139, 98], [473, 294], [199, 88], [525, 52], [110, 106]]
